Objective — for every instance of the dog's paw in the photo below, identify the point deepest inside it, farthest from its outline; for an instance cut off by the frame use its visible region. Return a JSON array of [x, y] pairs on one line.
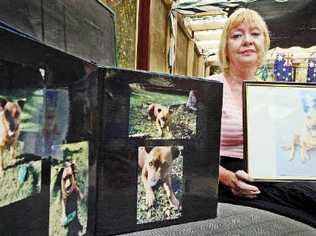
[[150, 199], [175, 202], [13, 162], [1, 173]]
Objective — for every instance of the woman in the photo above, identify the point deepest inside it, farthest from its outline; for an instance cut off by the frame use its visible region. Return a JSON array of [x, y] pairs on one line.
[[244, 44]]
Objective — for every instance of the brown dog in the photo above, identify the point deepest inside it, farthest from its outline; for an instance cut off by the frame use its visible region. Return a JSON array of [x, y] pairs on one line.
[[69, 191], [162, 116], [157, 168], [10, 118]]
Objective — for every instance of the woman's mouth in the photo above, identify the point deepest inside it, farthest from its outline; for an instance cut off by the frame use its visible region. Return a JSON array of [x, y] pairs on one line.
[[247, 52]]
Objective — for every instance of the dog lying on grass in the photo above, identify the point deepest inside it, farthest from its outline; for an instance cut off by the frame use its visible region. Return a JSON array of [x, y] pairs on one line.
[[156, 168], [161, 115], [10, 119]]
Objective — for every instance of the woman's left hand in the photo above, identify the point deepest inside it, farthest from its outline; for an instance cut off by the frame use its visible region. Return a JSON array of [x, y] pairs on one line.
[[242, 187]]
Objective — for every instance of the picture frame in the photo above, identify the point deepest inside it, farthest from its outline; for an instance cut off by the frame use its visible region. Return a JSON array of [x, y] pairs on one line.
[[278, 128], [122, 203]]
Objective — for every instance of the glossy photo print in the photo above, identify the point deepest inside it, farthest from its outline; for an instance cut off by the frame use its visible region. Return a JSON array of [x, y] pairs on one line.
[[69, 189], [56, 118], [21, 117], [160, 183], [161, 115], [283, 146]]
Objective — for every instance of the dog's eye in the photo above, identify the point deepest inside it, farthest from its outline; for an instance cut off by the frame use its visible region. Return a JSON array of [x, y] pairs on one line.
[[159, 110], [16, 114], [150, 163]]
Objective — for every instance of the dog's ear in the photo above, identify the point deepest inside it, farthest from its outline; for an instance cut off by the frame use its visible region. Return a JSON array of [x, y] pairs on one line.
[[57, 182], [170, 110], [74, 169], [174, 152], [151, 110], [3, 101], [21, 103]]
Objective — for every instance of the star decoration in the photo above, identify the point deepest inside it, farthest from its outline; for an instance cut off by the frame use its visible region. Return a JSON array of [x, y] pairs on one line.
[[279, 58]]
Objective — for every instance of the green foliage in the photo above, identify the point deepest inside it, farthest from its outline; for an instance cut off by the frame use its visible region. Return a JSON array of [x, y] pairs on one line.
[[126, 32]]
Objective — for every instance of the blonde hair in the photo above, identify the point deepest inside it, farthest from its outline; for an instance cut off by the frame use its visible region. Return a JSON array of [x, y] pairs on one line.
[[249, 17]]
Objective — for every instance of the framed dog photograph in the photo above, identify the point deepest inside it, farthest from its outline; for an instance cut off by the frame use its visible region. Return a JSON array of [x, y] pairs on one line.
[[280, 128], [21, 113], [159, 150], [68, 211]]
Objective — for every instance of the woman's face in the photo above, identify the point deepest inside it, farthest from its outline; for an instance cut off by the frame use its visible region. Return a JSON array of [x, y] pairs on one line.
[[245, 45]]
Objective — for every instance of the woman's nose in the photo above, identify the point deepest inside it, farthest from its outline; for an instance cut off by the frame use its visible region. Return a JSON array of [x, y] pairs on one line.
[[248, 40]]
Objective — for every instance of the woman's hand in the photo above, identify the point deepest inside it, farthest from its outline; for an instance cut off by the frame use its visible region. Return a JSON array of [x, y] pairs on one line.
[[238, 183]]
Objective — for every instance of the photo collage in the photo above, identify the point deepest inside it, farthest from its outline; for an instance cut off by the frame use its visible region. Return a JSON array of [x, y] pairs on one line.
[[33, 129]]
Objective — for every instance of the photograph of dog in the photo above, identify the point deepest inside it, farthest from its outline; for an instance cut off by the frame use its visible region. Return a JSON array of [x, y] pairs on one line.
[[304, 139], [10, 119], [20, 167], [160, 115], [69, 190], [160, 184]]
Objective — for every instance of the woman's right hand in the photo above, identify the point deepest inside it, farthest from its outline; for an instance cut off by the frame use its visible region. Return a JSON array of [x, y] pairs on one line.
[[238, 182]]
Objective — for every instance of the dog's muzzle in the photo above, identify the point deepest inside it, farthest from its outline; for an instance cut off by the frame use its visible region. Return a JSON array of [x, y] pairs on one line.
[[155, 182], [11, 133]]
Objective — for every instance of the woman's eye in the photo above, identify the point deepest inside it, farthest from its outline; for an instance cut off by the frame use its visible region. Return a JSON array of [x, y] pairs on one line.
[[256, 34], [236, 36]]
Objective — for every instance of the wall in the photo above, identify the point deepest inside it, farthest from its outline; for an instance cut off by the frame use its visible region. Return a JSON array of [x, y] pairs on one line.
[[158, 36], [126, 20]]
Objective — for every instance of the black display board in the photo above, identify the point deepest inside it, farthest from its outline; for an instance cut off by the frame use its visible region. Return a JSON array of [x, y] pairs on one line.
[[85, 135], [61, 23], [128, 134]]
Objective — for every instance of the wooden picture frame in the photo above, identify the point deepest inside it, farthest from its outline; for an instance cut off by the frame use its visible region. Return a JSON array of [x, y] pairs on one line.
[[278, 128]]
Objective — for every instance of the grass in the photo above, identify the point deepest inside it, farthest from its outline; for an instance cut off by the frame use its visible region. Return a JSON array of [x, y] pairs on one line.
[[11, 189], [78, 154], [183, 123], [162, 209]]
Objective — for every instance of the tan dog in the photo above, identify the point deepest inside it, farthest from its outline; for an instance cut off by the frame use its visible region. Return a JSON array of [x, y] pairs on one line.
[[10, 119], [157, 168], [162, 116], [306, 139], [69, 191]]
